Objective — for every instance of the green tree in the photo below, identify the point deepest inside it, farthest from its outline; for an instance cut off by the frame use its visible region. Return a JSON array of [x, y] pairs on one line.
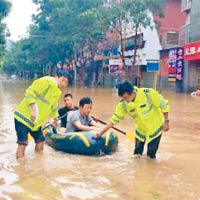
[[136, 13], [67, 30], [15, 58], [4, 10]]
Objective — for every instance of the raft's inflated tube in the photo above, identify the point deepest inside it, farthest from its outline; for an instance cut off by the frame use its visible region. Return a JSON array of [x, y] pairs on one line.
[[83, 142]]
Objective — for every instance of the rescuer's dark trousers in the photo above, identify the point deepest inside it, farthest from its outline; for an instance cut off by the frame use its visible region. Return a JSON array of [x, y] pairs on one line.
[[151, 149]]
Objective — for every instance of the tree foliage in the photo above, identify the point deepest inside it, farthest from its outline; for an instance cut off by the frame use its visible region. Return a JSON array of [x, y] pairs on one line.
[[135, 13], [4, 10], [63, 30]]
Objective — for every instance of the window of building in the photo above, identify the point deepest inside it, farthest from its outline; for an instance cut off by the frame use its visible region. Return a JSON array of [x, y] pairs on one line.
[[186, 5], [161, 39], [172, 37]]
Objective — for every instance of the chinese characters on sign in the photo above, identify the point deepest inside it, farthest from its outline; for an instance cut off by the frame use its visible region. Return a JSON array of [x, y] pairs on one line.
[[192, 51], [176, 64], [116, 66]]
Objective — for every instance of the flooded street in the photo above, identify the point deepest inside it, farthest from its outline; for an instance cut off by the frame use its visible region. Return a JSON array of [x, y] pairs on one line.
[[53, 175]]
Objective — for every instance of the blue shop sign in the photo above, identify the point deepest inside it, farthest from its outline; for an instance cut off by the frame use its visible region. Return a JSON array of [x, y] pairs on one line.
[[152, 66]]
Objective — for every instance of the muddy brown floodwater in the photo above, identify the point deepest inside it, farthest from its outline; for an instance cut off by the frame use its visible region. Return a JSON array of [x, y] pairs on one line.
[[53, 175]]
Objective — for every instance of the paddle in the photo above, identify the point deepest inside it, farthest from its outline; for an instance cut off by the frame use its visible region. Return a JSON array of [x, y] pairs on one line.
[[30, 138], [129, 135]]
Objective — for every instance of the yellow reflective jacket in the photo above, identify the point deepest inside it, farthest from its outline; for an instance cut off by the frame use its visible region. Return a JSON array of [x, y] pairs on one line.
[[45, 93], [146, 111]]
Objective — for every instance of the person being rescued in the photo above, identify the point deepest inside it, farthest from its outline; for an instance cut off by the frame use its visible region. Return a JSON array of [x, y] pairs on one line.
[[65, 110], [149, 111], [80, 120], [197, 92]]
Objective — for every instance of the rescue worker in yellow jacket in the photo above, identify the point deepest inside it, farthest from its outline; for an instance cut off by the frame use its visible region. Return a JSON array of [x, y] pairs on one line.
[[149, 111], [40, 102]]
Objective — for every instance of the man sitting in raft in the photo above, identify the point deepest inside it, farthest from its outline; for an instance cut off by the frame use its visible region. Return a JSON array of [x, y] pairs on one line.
[[64, 111], [80, 120]]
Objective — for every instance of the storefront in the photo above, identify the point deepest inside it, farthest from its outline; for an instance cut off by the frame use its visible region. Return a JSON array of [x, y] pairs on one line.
[[172, 68], [192, 59]]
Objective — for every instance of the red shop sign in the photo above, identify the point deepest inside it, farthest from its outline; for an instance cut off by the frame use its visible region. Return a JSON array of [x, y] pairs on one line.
[[192, 51]]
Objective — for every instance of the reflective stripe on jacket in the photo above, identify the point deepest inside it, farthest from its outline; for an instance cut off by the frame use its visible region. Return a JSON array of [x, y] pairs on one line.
[[146, 111], [45, 93]]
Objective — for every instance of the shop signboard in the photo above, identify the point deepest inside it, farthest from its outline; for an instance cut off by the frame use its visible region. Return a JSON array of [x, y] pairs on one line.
[[176, 64], [153, 66], [192, 51], [116, 66]]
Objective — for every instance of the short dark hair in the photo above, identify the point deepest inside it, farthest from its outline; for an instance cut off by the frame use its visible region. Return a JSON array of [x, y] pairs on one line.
[[68, 95], [85, 100], [63, 73], [125, 87]]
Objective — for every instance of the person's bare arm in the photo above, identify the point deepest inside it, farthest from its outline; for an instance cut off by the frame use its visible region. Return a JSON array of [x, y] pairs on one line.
[[106, 128], [95, 124], [33, 111], [80, 126], [166, 122]]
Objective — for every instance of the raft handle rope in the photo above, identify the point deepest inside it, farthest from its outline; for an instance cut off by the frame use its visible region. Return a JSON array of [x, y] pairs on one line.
[[56, 120]]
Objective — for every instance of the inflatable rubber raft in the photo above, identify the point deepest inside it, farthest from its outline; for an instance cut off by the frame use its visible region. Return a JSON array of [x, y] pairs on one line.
[[83, 142]]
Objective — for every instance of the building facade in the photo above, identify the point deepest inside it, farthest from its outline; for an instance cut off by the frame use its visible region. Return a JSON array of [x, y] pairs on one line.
[[169, 29], [141, 56], [190, 40]]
